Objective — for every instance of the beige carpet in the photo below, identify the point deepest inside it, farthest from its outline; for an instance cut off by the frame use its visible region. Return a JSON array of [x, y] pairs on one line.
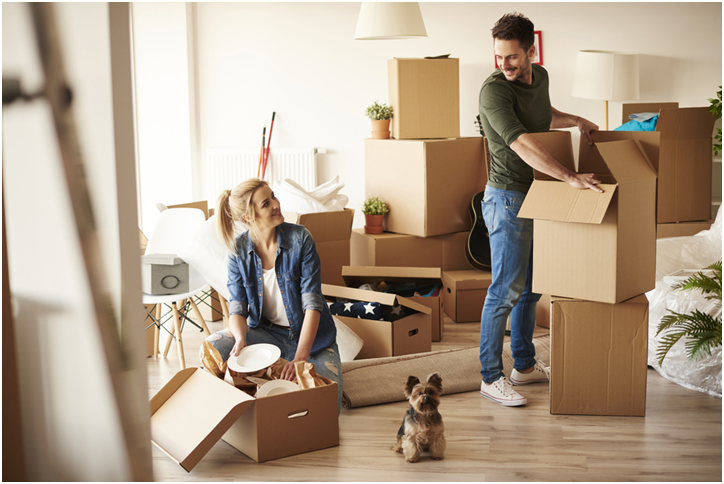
[[380, 380]]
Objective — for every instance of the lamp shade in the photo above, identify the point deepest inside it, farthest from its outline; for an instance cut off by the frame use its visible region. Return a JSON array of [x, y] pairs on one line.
[[390, 20], [606, 76]]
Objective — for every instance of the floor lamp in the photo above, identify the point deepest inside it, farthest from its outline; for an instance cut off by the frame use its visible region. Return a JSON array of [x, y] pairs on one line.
[[390, 20], [606, 76]]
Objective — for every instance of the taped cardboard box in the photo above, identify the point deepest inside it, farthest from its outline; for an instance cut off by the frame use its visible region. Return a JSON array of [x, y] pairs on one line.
[[195, 409], [611, 233], [331, 232], [408, 335], [599, 357], [446, 252], [683, 229], [684, 164], [355, 276], [427, 184], [425, 97], [464, 294]]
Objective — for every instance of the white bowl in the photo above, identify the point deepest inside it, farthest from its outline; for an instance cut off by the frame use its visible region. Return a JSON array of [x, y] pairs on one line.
[[276, 387], [254, 358]]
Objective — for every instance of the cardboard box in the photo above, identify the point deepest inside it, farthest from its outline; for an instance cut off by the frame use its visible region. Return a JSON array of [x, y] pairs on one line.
[[464, 294], [425, 98], [427, 184], [684, 164], [195, 409], [331, 232], [446, 252], [599, 357], [355, 276], [408, 335], [589, 245], [543, 311], [682, 229]]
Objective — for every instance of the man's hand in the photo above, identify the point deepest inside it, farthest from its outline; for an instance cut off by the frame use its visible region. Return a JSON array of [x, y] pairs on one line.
[[586, 127], [585, 181]]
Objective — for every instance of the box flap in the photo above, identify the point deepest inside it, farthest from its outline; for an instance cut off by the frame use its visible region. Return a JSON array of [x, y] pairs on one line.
[[372, 296], [685, 123], [191, 413], [589, 158], [560, 147], [357, 275], [627, 160], [560, 202]]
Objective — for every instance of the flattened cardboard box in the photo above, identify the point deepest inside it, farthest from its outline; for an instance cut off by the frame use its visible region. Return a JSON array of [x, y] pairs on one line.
[[355, 276], [388, 249], [331, 232], [408, 335], [613, 233], [425, 97], [599, 356], [464, 294], [684, 164], [427, 184], [195, 409]]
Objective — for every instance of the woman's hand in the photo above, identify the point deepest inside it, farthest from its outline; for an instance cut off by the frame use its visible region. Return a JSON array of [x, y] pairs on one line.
[[289, 372], [239, 345]]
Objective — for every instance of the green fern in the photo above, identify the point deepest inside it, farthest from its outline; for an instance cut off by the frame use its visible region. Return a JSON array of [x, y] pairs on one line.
[[702, 330]]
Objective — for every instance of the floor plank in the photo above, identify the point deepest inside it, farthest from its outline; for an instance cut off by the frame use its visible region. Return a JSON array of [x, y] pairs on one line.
[[680, 438]]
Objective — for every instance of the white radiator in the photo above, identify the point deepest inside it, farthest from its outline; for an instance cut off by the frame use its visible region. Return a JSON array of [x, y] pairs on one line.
[[226, 168]]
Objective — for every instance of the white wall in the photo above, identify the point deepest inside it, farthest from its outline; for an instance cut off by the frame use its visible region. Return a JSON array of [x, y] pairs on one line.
[[301, 60], [72, 423]]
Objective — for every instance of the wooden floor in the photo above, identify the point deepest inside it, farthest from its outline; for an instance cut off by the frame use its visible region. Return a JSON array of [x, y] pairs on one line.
[[680, 439]]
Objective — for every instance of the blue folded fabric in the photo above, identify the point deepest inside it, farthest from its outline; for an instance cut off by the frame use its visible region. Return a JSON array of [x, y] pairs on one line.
[[368, 310], [640, 122]]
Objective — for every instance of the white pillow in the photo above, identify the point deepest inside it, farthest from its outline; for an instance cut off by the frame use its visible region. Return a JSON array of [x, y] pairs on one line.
[[348, 342]]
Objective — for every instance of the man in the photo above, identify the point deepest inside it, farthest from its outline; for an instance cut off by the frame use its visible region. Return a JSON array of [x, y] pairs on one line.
[[513, 103]]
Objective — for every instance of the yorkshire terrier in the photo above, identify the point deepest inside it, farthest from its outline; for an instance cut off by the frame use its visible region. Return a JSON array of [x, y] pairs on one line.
[[422, 428]]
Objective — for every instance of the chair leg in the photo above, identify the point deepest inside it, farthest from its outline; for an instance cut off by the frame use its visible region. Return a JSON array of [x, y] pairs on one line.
[[200, 317], [157, 331], [177, 330], [169, 339], [225, 309]]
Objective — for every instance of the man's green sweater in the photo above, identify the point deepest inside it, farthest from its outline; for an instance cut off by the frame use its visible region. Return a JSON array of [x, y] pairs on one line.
[[507, 110]]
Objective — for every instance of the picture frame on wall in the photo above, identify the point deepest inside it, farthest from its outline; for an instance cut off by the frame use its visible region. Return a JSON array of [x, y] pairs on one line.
[[538, 43]]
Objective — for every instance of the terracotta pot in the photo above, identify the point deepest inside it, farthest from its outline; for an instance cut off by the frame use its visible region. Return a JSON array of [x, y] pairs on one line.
[[373, 224], [380, 128]]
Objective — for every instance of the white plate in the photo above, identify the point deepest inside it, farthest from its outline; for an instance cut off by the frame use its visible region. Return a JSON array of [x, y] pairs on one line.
[[276, 387], [254, 358]]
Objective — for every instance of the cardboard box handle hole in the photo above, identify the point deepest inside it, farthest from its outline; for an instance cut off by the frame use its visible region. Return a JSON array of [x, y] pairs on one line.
[[413, 332], [298, 414]]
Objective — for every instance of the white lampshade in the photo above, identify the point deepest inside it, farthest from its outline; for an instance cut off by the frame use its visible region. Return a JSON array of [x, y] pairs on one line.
[[606, 76], [390, 20]]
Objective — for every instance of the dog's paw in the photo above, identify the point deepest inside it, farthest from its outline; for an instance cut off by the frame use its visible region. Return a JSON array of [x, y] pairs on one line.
[[412, 460], [437, 457]]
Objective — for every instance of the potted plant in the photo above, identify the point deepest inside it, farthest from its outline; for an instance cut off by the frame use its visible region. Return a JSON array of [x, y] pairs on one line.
[[374, 210], [380, 114]]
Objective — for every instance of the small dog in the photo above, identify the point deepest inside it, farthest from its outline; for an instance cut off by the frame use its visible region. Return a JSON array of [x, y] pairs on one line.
[[422, 428]]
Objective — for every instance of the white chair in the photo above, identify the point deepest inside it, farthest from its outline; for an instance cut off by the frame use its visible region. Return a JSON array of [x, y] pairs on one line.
[[169, 237]]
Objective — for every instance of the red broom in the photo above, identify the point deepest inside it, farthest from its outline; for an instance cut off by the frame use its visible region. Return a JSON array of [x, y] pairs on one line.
[[261, 154], [266, 152]]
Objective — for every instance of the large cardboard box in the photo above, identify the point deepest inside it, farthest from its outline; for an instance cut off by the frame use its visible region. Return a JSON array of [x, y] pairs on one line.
[[682, 229], [331, 232], [425, 97], [599, 357], [464, 294], [589, 245], [355, 276], [408, 335], [684, 164], [427, 184], [195, 409], [446, 252]]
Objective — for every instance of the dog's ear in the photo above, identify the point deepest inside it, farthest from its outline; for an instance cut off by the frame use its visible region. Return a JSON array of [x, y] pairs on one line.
[[411, 382], [436, 381]]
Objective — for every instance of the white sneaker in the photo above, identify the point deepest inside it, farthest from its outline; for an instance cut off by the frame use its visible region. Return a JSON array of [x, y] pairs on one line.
[[540, 374], [501, 392]]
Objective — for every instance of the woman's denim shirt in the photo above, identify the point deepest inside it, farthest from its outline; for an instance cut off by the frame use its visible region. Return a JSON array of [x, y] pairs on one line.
[[298, 271]]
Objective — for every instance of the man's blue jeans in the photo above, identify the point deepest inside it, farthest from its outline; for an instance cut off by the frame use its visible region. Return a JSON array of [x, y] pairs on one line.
[[511, 247]]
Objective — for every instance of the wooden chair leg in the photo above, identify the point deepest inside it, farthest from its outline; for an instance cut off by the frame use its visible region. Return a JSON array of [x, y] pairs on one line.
[[199, 317], [177, 330], [169, 340], [156, 331], [225, 309]]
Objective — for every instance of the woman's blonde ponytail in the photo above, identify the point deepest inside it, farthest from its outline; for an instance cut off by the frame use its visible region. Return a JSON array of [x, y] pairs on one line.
[[225, 221]]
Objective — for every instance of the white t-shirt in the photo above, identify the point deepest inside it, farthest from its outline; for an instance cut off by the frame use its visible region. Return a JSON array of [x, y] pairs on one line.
[[272, 301]]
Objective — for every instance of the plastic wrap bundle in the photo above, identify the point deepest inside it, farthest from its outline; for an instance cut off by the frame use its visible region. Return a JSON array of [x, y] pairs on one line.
[[674, 254], [324, 198]]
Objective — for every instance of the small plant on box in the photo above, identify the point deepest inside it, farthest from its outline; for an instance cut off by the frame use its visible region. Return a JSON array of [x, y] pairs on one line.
[[702, 330], [374, 206], [378, 112], [715, 110]]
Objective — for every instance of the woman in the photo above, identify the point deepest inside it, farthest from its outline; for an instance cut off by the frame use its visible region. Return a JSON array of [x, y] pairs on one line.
[[275, 285]]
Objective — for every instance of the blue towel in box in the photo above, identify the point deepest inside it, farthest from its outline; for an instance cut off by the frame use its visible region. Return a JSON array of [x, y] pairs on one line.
[[640, 122]]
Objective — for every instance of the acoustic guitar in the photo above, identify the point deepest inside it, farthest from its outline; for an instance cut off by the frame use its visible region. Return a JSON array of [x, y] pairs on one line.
[[477, 248]]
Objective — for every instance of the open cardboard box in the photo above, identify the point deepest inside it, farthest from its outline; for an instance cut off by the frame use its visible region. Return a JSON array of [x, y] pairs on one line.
[[599, 355], [331, 232], [408, 335], [195, 409], [589, 245], [355, 276]]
